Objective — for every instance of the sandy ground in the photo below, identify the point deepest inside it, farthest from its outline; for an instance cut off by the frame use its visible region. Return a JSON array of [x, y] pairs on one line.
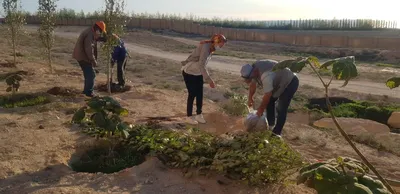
[[37, 143]]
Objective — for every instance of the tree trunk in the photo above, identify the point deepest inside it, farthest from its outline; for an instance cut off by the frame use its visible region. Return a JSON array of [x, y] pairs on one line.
[[49, 60], [14, 49], [109, 75]]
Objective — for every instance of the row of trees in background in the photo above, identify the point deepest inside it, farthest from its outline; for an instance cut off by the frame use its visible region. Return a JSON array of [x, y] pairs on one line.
[[301, 24]]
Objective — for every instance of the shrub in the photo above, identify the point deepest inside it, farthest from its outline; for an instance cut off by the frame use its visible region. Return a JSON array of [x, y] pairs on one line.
[[364, 110], [237, 105]]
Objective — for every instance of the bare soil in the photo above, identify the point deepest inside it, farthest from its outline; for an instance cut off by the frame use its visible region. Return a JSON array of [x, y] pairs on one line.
[[37, 143]]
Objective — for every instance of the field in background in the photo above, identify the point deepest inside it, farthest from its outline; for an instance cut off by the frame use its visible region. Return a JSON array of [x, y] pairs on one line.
[[298, 39], [302, 24]]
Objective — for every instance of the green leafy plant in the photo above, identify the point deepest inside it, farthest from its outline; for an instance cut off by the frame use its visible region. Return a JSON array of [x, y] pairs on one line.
[[237, 105], [343, 68], [47, 15], [13, 82], [115, 20], [340, 175], [101, 118], [256, 158], [393, 82], [15, 19]]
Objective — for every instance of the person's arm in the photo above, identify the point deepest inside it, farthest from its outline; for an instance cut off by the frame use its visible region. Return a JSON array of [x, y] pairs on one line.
[[89, 50], [264, 103], [204, 54], [252, 91]]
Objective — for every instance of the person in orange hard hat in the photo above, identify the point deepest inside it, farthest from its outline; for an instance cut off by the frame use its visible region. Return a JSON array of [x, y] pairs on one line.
[[195, 73], [85, 53]]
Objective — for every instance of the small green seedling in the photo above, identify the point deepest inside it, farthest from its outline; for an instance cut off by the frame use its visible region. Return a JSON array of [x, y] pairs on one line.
[[13, 83], [15, 20], [115, 20], [47, 13], [101, 118]]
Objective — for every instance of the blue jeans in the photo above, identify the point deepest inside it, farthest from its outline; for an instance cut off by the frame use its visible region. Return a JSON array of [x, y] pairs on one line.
[[89, 74], [283, 106]]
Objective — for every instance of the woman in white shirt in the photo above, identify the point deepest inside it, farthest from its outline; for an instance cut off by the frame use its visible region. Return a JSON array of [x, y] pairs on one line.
[[195, 73]]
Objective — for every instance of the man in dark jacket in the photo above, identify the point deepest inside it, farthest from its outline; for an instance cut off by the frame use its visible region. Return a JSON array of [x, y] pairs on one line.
[[119, 56], [85, 52]]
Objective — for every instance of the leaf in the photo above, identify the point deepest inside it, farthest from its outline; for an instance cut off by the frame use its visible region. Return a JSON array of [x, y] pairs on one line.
[[294, 65], [343, 68], [96, 103], [125, 133], [79, 115], [122, 112], [393, 82], [99, 119], [9, 89]]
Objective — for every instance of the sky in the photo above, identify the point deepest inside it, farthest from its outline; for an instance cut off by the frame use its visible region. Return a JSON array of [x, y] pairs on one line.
[[248, 9]]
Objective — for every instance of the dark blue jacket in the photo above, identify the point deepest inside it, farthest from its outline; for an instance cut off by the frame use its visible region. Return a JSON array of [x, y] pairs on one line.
[[119, 52]]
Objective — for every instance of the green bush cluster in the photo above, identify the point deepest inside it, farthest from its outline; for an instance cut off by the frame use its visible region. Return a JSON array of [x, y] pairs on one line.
[[365, 110], [256, 157]]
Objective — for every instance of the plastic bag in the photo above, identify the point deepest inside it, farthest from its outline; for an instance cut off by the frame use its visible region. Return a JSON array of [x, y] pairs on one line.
[[254, 123]]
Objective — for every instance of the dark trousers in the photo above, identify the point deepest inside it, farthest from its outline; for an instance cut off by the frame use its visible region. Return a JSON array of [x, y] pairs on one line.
[[283, 106], [121, 65], [194, 85], [89, 74]]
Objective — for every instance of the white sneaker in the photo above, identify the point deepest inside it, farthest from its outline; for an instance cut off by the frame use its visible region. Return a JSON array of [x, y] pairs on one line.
[[193, 119], [199, 118]]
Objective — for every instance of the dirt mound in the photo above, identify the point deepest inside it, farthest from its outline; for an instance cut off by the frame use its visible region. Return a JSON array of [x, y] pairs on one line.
[[63, 91], [220, 123], [114, 88]]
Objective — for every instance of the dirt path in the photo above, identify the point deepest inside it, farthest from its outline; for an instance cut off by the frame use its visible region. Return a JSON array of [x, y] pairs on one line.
[[233, 65]]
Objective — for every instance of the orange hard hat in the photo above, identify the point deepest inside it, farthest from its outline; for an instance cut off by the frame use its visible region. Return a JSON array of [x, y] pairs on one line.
[[102, 26], [217, 38]]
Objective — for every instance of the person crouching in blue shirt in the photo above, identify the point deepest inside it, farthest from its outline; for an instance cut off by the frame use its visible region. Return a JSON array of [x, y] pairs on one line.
[[119, 56]]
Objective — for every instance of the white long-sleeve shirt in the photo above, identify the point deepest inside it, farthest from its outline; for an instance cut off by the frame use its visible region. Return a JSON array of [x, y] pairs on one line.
[[196, 63]]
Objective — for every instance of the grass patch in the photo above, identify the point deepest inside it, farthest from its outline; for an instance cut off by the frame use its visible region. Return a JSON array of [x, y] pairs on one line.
[[106, 160], [237, 104], [387, 65], [23, 100]]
